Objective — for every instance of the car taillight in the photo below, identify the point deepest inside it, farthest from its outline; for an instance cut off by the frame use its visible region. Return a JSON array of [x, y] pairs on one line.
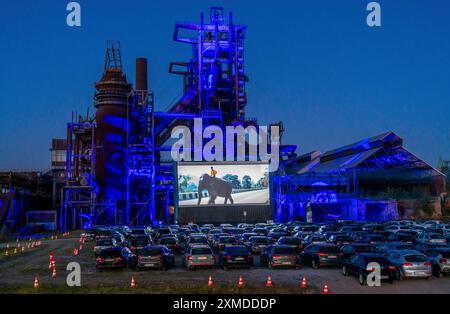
[[276, 256], [427, 264], [190, 258], [370, 269], [99, 259], [341, 254], [392, 268], [228, 257], [132, 248], [407, 264], [139, 256], [322, 254], [159, 255], [442, 261], [119, 258], [430, 241]]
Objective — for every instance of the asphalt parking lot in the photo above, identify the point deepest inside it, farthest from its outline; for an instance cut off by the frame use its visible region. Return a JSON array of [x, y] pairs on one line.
[[17, 274]]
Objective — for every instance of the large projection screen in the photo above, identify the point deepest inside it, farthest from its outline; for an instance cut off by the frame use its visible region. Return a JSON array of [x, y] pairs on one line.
[[234, 184]]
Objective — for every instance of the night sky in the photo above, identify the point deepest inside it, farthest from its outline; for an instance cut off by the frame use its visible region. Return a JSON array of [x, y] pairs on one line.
[[315, 65]]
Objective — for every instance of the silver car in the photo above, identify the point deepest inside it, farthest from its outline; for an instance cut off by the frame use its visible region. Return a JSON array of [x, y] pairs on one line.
[[440, 260], [431, 238], [410, 263], [197, 256]]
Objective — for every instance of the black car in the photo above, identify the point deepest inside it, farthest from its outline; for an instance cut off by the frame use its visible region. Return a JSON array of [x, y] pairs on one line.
[[274, 236], [321, 254], [358, 266], [279, 256], [171, 243], [349, 250], [223, 241], [156, 256], [115, 258], [340, 240], [296, 243], [401, 237], [235, 256], [372, 238], [138, 243], [257, 244]]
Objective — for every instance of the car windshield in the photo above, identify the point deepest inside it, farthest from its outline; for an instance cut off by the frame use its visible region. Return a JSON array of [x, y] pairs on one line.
[[343, 238], [435, 236], [109, 253], [329, 249], [380, 260], [138, 231], [238, 250], [152, 251], [415, 258], [201, 251], [284, 250], [446, 254]]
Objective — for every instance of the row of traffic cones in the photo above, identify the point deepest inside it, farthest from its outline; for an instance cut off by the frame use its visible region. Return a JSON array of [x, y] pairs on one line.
[[21, 248], [269, 283]]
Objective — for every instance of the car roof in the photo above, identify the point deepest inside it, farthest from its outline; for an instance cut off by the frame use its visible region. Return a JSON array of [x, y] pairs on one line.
[[407, 252]]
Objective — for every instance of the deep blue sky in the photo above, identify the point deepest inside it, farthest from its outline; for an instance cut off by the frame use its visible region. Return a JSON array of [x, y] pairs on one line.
[[315, 65]]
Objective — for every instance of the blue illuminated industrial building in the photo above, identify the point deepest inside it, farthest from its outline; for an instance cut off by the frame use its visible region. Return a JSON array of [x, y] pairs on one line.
[[118, 168]]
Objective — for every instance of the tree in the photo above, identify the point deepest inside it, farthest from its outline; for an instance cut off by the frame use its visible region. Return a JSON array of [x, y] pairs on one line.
[[247, 182], [234, 180]]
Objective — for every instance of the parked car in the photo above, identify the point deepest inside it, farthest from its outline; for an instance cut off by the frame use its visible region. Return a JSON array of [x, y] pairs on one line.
[[104, 243], [321, 254], [440, 260], [171, 243], [340, 240], [155, 256], [257, 244], [197, 238], [199, 256], [372, 239], [296, 243], [279, 255], [311, 238], [115, 258], [222, 241], [358, 266], [349, 250], [138, 243], [410, 264], [235, 256], [274, 236], [389, 246], [432, 238]]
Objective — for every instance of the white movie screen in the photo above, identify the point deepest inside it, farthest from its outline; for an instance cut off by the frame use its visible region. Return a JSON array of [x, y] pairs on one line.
[[210, 184]]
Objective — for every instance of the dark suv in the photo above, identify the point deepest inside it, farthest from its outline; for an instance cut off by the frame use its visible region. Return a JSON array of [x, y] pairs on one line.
[[324, 254]]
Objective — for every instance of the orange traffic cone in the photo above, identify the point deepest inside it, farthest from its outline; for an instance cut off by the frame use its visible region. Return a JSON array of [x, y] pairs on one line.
[[15, 250], [6, 252], [54, 273], [23, 249], [36, 282], [241, 282], [303, 286], [325, 288], [133, 283], [50, 265], [81, 247], [75, 252], [7, 246], [269, 281], [210, 282]]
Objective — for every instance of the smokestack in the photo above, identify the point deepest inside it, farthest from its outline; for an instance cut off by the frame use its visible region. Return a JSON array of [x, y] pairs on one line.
[[141, 74]]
